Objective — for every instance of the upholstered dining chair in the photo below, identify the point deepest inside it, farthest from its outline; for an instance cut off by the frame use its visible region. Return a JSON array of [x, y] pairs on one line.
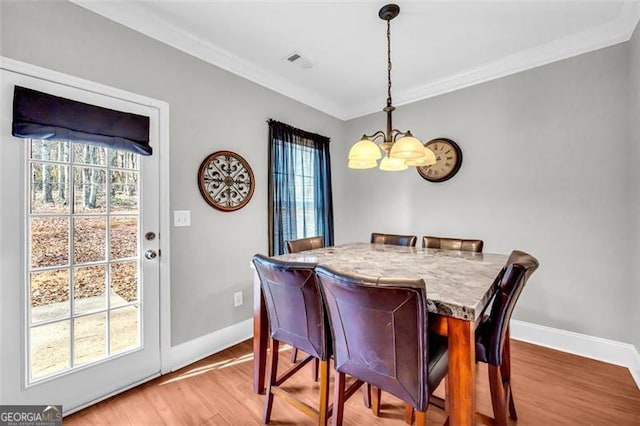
[[394, 239], [492, 334], [296, 246], [297, 317], [303, 244], [452, 244], [381, 336]]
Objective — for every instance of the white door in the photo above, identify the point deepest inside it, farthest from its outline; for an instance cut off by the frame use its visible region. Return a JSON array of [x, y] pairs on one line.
[[79, 301]]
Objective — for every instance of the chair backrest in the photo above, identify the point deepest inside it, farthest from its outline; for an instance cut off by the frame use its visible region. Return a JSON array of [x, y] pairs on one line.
[[294, 305], [510, 283], [394, 239], [452, 244], [303, 244], [379, 329]]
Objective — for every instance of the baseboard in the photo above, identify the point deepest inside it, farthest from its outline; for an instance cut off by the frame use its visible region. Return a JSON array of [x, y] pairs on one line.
[[201, 347], [618, 353], [605, 350]]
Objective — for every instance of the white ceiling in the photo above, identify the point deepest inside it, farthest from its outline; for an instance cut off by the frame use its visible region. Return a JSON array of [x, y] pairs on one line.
[[437, 47]]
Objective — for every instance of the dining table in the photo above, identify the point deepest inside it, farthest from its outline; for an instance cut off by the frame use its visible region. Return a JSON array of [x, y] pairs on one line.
[[459, 286]]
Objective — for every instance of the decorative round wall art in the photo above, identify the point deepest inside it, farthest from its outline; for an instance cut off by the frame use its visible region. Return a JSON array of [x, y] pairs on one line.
[[226, 181]]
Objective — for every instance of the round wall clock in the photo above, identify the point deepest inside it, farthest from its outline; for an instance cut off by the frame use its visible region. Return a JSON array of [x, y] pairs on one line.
[[448, 160], [226, 181]]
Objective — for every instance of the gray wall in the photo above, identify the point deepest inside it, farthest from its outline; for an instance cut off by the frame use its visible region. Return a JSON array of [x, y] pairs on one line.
[[550, 158], [634, 54], [211, 110], [545, 170]]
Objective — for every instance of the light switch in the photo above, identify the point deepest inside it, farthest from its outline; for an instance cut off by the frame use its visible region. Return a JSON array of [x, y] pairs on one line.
[[181, 218]]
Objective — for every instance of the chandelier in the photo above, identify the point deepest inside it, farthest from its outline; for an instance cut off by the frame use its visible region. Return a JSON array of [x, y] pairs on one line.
[[401, 148]]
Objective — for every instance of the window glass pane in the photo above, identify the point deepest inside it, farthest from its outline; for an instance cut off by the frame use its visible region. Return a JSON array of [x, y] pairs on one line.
[[49, 241], [89, 289], [125, 333], [305, 207], [50, 351], [49, 295], [124, 237], [124, 283], [89, 239], [124, 192], [49, 188], [89, 154], [89, 186], [90, 338], [50, 150]]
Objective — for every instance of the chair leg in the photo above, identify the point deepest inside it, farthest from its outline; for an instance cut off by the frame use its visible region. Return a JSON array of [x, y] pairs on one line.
[[366, 395], [512, 406], [421, 418], [446, 392], [497, 396], [408, 414], [323, 410], [505, 370], [294, 355], [272, 376], [314, 369], [376, 394], [338, 399]]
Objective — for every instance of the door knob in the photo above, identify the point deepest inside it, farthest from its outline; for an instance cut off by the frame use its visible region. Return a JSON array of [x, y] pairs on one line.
[[150, 254]]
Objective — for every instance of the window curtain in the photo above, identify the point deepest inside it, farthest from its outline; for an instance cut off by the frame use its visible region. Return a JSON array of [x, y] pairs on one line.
[[300, 197], [38, 115]]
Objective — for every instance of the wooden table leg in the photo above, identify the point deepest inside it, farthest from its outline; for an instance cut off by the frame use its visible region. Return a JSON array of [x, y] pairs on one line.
[[462, 372], [260, 336]]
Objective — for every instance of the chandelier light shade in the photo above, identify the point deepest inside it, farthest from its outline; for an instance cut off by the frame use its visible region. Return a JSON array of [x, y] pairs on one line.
[[428, 159], [402, 148], [407, 148], [390, 164], [364, 149], [362, 164]]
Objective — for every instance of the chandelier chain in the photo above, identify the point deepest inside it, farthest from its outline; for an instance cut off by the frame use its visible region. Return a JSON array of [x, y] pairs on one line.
[[388, 62]]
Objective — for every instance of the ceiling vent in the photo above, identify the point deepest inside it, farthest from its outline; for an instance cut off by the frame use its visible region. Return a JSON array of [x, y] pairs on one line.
[[299, 60]]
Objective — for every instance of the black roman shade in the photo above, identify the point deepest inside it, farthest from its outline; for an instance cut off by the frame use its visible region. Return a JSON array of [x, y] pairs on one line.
[[39, 115]]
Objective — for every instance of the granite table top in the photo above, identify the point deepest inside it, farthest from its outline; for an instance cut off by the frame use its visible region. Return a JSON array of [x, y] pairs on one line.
[[459, 284]]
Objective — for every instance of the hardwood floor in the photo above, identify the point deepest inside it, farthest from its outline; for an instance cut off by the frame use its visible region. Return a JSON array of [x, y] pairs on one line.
[[550, 388]]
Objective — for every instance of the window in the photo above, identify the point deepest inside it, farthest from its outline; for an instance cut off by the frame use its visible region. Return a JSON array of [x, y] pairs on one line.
[[300, 202]]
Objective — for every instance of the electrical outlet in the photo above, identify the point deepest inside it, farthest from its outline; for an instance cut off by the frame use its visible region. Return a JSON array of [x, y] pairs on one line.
[[237, 298]]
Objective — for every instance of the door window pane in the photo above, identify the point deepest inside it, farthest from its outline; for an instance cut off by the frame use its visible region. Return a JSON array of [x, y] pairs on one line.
[[124, 283], [49, 188], [89, 289], [89, 190], [89, 338], [124, 329], [49, 241], [50, 349], [124, 237], [123, 160], [49, 295], [50, 150], [124, 192], [89, 239], [89, 154]]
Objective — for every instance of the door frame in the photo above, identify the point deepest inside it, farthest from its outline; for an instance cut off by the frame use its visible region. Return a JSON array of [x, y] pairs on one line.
[[162, 107]]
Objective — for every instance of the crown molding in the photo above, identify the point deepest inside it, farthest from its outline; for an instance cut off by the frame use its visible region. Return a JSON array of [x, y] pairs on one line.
[[136, 17], [609, 34]]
